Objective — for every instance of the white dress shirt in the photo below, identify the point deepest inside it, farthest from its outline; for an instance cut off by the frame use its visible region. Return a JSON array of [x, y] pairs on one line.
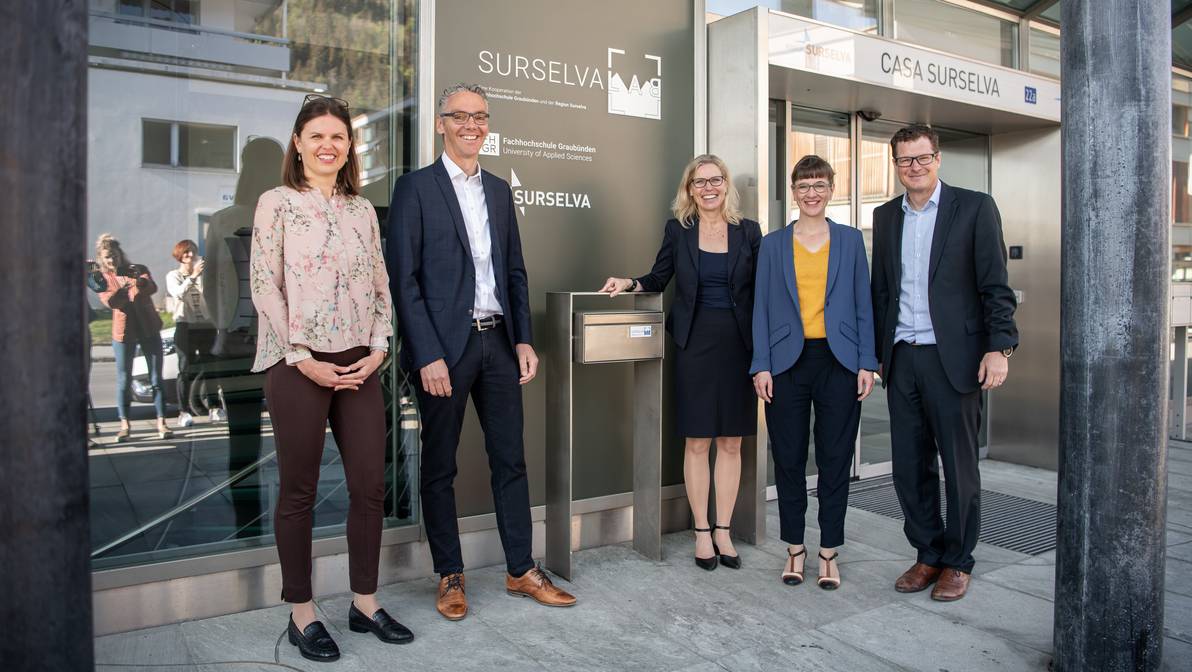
[[470, 192]]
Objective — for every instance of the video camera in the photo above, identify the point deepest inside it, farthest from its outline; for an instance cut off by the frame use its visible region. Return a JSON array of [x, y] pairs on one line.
[[132, 270]]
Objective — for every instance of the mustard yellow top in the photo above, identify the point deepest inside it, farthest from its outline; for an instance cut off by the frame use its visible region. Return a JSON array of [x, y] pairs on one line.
[[811, 281]]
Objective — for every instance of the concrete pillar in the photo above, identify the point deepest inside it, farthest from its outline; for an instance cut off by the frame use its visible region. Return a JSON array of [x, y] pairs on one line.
[[1114, 334], [45, 577]]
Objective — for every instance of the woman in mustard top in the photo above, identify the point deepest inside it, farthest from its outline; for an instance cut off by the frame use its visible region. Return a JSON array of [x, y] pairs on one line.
[[813, 347]]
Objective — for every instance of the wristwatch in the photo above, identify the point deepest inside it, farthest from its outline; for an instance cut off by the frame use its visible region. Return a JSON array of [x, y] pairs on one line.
[[1007, 352], [632, 285]]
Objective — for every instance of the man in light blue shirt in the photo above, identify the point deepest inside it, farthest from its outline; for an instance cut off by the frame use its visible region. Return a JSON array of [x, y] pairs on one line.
[[943, 316]]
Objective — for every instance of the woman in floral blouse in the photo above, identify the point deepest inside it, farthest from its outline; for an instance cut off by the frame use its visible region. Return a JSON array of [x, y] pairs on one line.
[[325, 317]]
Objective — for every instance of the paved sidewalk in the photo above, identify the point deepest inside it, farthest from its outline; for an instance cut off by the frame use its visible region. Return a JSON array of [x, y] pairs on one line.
[[639, 615]]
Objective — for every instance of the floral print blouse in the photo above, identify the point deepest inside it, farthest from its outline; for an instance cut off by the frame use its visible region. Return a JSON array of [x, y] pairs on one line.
[[318, 279]]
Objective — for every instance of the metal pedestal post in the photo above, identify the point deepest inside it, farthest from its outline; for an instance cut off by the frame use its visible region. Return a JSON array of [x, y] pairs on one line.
[[647, 436]]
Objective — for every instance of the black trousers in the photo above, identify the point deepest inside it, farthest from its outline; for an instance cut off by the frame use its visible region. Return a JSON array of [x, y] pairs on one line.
[[191, 343], [816, 380], [489, 373], [928, 417]]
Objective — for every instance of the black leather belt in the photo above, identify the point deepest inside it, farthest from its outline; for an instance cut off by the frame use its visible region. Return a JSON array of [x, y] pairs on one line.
[[916, 345], [486, 323]]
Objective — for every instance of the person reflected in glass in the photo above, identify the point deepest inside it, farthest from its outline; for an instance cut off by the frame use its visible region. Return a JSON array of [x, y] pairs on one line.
[[229, 391], [193, 332], [135, 321], [710, 250], [813, 350], [321, 291]]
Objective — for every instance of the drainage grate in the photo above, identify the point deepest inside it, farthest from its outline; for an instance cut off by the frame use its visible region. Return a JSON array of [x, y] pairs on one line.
[[1014, 523]]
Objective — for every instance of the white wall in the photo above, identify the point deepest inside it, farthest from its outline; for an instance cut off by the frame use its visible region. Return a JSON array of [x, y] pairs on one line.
[[150, 208]]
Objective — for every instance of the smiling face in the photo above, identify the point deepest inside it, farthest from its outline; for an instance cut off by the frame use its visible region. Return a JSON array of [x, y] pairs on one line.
[[462, 142], [323, 145], [707, 196], [918, 178], [812, 196]]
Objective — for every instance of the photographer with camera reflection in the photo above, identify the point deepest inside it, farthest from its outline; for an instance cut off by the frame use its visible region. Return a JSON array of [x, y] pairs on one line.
[[134, 322]]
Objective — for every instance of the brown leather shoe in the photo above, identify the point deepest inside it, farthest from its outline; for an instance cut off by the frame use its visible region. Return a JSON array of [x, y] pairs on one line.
[[917, 578], [952, 586], [536, 584], [452, 602]]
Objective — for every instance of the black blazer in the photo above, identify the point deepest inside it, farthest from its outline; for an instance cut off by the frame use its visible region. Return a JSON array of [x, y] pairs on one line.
[[431, 273], [972, 305], [679, 257]]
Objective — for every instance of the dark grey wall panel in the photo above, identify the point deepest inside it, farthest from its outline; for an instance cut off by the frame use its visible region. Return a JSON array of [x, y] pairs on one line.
[[548, 66]]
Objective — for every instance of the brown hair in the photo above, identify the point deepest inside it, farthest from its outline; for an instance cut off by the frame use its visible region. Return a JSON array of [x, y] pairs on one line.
[[812, 166], [912, 133], [685, 209], [347, 182], [183, 247]]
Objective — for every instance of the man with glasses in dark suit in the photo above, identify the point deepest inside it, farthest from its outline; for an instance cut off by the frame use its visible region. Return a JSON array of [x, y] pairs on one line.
[[944, 322], [463, 305]]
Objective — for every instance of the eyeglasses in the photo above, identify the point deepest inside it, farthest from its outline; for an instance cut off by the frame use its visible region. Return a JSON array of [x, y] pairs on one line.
[[922, 160], [461, 118], [315, 97], [819, 187], [701, 182]]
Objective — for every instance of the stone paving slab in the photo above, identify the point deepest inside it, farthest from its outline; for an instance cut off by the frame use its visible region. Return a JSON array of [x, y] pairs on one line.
[[641, 615], [919, 640]]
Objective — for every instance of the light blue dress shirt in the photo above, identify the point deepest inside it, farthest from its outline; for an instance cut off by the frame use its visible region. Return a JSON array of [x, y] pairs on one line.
[[914, 312]]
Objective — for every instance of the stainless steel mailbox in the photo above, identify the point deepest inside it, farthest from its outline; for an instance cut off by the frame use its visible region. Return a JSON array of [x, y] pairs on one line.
[[618, 336]]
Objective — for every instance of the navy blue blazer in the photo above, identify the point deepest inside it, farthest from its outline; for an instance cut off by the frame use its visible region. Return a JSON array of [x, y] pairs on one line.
[[848, 311], [431, 273]]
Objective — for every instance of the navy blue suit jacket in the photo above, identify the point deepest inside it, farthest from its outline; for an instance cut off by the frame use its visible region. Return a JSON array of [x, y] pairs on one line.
[[431, 273], [848, 311]]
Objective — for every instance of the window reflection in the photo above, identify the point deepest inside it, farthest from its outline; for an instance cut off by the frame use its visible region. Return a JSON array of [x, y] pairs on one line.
[[184, 136], [859, 15]]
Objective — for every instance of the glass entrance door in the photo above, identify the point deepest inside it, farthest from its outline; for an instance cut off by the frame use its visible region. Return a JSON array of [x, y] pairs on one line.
[[965, 164]]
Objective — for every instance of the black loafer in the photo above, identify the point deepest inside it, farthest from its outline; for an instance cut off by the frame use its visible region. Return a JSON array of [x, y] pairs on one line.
[[314, 642], [381, 624]]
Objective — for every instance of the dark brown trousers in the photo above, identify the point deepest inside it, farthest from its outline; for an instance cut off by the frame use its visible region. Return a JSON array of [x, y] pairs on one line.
[[300, 411]]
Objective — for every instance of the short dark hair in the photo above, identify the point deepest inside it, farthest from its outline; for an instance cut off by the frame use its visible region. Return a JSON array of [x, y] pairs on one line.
[[812, 166], [292, 175], [912, 133]]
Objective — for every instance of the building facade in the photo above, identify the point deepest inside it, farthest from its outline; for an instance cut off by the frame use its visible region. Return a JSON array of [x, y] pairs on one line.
[[190, 107]]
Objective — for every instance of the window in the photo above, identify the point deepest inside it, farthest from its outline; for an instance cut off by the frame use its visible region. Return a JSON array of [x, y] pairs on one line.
[[955, 30], [181, 144], [1045, 53], [860, 15], [219, 126], [176, 11]]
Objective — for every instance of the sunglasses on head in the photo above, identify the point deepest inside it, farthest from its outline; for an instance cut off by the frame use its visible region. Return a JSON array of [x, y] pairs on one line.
[[315, 97]]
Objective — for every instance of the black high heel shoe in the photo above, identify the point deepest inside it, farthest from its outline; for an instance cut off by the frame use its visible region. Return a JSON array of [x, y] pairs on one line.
[[706, 563], [313, 642], [730, 561]]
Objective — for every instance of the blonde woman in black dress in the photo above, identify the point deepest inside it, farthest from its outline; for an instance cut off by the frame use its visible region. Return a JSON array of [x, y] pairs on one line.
[[710, 251]]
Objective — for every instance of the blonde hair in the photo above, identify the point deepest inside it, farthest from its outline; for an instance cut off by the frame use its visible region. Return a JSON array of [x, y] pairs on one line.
[[107, 243], [684, 207]]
